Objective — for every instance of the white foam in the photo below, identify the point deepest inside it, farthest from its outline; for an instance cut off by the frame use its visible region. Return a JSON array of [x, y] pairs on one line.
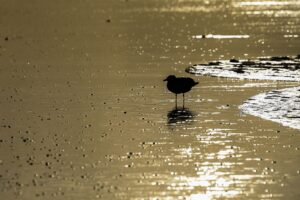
[[264, 69], [281, 106]]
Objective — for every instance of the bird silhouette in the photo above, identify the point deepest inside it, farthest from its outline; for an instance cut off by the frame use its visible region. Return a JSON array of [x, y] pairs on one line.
[[179, 85]]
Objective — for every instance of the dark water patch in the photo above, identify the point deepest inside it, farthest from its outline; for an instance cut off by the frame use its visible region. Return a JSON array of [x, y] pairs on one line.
[[180, 115]]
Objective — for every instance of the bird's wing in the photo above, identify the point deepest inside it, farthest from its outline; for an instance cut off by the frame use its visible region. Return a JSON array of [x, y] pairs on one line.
[[188, 81]]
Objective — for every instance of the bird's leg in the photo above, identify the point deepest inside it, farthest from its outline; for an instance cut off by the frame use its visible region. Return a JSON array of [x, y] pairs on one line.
[[183, 100], [176, 101]]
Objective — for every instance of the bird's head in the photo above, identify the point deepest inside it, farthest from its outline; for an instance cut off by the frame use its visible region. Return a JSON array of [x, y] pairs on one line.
[[170, 78]]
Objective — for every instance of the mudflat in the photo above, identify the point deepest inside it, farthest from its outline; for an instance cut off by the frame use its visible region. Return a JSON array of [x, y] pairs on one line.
[[85, 113]]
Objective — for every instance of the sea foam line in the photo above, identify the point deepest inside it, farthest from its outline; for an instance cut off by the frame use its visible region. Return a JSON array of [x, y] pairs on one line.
[[281, 106]]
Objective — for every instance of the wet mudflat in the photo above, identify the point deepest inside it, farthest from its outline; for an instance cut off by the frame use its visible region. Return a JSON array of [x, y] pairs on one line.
[[85, 113]]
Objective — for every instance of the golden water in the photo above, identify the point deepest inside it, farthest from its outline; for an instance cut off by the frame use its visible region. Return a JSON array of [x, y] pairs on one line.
[[84, 111]]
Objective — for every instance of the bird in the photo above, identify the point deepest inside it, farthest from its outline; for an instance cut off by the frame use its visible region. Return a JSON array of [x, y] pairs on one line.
[[178, 85]]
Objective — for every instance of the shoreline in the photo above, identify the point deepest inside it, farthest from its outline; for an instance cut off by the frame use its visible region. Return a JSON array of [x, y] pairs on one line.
[[281, 106]]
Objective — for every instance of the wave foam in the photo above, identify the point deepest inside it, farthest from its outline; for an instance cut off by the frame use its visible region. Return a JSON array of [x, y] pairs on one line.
[[281, 106]]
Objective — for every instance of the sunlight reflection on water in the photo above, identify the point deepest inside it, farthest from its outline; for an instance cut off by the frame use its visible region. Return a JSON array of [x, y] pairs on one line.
[[268, 3], [216, 177], [221, 162], [269, 8], [212, 36], [201, 160]]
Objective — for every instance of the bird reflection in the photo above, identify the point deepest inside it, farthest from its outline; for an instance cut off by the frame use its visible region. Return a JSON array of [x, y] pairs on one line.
[[180, 115]]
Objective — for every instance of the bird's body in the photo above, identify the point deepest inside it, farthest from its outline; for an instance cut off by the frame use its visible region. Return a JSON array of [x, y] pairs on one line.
[[179, 85]]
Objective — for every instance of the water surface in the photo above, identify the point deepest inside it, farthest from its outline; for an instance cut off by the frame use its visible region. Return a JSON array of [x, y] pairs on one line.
[[85, 113]]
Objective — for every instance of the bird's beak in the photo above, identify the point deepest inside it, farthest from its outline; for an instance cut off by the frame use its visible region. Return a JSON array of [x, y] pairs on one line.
[[165, 79]]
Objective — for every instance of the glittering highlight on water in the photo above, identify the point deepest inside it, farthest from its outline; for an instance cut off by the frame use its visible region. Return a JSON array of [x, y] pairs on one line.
[[211, 36]]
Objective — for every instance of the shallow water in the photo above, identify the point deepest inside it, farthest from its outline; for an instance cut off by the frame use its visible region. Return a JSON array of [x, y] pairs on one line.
[[85, 113], [281, 106]]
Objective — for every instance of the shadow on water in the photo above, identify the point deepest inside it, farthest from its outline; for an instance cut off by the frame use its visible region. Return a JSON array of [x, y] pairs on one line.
[[180, 116]]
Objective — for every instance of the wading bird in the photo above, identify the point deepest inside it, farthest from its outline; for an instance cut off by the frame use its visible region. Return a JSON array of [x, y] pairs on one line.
[[179, 85]]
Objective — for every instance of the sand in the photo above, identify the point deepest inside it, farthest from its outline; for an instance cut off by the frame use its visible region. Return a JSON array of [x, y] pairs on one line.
[[84, 110]]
